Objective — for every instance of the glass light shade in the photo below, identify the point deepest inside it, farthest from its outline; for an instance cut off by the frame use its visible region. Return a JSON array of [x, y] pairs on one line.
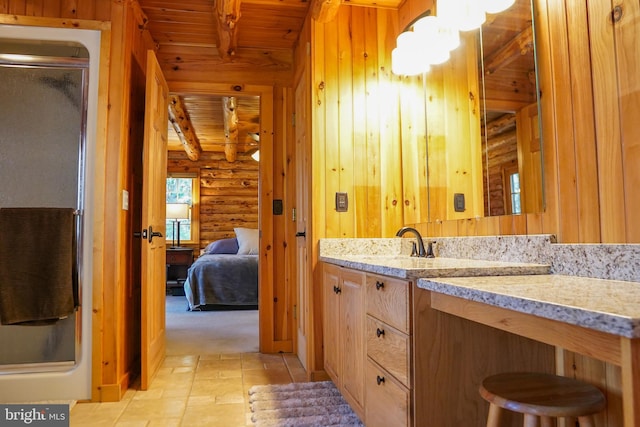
[[407, 59], [465, 15], [497, 6], [177, 211], [256, 156], [436, 42]]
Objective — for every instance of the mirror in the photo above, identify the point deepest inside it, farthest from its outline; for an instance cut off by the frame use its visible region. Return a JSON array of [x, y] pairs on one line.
[[511, 145], [480, 110]]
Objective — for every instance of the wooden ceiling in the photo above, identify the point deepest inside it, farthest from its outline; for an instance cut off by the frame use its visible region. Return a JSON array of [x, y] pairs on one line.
[[231, 31]]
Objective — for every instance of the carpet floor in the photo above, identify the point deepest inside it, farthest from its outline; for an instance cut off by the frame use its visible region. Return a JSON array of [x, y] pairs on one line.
[[209, 332], [300, 405]]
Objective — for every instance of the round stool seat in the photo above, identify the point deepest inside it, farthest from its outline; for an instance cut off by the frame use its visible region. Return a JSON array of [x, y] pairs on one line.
[[542, 395]]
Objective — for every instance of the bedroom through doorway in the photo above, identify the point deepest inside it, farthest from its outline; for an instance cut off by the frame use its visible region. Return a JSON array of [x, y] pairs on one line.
[[212, 175]]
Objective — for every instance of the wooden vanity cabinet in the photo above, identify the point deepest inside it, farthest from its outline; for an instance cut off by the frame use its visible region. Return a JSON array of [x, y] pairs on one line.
[[343, 329], [389, 352], [367, 343]]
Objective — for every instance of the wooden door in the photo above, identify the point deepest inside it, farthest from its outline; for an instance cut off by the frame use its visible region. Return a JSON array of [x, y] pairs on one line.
[[303, 269], [153, 221]]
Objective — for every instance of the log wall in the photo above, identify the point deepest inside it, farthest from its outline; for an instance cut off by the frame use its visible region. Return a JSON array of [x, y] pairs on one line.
[[228, 192]]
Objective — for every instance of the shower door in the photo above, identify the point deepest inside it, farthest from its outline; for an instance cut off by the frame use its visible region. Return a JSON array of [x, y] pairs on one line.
[[48, 100]]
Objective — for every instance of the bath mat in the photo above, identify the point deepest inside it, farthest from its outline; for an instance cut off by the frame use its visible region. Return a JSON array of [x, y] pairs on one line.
[[299, 405]]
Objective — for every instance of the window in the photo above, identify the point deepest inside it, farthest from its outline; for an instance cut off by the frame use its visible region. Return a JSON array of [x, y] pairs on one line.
[[183, 188], [514, 186]]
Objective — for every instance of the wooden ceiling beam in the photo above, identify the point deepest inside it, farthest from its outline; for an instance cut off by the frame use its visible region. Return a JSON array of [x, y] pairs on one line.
[[227, 17], [230, 117], [520, 45], [180, 121]]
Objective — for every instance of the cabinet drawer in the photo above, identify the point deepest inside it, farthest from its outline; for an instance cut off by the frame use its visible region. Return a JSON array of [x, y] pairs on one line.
[[388, 402], [389, 348], [183, 258], [388, 300]]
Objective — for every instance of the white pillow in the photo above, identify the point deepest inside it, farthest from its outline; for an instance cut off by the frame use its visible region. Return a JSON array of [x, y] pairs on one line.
[[248, 240]]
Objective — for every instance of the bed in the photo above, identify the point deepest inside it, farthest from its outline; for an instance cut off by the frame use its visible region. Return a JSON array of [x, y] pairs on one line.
[[226, 274]]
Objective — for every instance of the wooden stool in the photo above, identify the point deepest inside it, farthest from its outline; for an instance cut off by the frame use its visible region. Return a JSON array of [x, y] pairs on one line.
[[543, 396]]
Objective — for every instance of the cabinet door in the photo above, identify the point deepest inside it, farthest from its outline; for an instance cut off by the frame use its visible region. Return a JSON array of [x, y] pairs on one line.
[[330, 283], [352, 324]]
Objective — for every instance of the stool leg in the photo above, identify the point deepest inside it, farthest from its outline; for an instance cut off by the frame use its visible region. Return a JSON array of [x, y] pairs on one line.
[[586, 421], [493, 420], [530, 420]]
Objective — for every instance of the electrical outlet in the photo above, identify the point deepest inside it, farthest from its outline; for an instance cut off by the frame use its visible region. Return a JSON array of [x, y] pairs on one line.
[[342, 202]]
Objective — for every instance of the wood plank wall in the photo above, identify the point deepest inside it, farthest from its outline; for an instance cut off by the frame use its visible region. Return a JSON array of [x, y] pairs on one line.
[[228, 193], [356, 137]]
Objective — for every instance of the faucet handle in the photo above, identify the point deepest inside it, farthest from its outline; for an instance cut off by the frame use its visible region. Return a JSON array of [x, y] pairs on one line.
[[430, 253], [414, 249]]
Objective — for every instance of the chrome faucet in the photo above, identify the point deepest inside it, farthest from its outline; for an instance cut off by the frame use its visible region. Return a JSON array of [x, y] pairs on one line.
[[421, 250]]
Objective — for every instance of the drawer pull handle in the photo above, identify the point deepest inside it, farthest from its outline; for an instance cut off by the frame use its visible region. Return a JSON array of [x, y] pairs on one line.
[[379, 285], [337, 289], [379, 379], [379, 332]]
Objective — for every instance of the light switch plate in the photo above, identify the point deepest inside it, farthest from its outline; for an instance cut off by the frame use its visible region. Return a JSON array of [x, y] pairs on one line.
[[458, 202]]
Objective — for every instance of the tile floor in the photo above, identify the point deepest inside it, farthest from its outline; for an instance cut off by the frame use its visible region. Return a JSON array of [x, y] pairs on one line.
[[194, 390]]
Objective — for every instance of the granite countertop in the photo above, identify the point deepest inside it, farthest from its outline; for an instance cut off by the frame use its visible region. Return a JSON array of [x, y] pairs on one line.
[[605, 305], [407, 267]]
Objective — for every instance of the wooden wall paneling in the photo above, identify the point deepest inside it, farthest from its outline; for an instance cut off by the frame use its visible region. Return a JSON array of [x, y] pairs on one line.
[[628, 65], [373, 98], [109, 388], [607, 125], [534, 223], [583, 128], [436, 145], [52, 8], [17, 8], [332, 127], [348, 162], [390, 149], [566, 158], [69, 8], [414, 150], [364, 220], [34, 8], [319, 178]]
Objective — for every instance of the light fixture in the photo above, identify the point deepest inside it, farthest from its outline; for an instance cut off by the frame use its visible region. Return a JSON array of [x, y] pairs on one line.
[[465, 15], [256, 156], [176, 212], [407, 58], [497, 6], [436, 38]]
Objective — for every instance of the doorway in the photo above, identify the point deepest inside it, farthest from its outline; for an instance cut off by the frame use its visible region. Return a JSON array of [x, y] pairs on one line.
[[219, 190]]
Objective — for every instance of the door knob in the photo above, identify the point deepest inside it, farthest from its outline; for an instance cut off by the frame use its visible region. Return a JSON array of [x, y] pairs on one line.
[[152, 233]]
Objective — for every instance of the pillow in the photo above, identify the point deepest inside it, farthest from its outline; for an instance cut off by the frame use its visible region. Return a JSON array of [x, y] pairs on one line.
[[248, 239], [223, 246]]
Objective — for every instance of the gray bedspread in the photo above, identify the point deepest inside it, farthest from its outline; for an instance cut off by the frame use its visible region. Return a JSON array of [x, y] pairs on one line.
[[222, 279]]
